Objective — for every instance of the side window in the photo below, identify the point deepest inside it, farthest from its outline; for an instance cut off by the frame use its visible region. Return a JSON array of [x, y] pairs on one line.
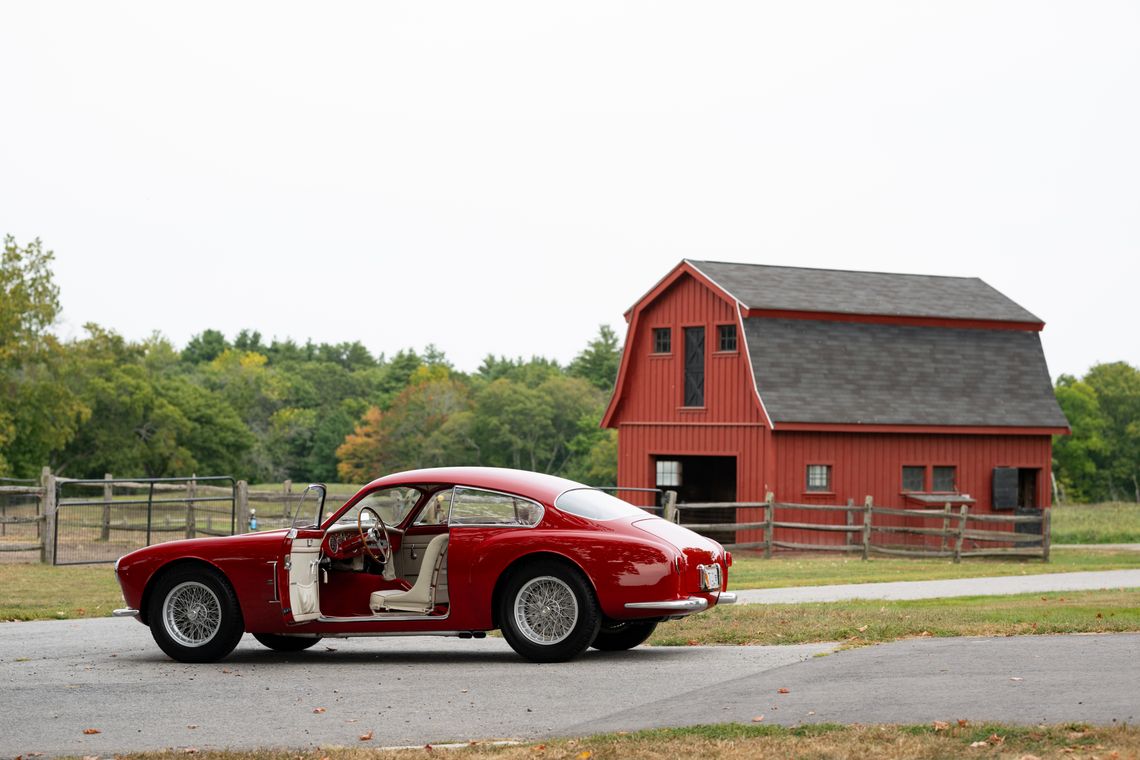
[[436, 510], [471, 506]]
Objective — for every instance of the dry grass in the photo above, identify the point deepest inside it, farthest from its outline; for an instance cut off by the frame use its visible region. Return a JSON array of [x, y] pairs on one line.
[[736, 742], [43, 592], [1109, 523]]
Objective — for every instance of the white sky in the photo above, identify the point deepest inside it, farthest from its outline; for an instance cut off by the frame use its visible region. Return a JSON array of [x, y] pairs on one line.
[[504, 177]]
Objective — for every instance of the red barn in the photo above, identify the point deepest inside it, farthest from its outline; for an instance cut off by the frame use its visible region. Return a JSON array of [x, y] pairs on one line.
[[822, 386]]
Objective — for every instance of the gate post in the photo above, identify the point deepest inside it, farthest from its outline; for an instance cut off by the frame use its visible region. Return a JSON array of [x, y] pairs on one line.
[[48, 507], [191, 497], [770, 524], [241, 507], [1046, 532], [962, 512], [105, 528]]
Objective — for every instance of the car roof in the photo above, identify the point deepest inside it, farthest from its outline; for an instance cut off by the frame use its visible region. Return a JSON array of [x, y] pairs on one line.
[[523, 482]]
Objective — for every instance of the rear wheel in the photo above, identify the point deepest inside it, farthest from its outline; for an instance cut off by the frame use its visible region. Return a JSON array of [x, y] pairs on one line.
[[616, 636], [194, 615], [548, 612], [280, 643]]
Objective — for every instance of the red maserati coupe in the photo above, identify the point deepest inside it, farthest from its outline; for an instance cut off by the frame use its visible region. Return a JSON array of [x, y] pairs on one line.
[[556, 565]]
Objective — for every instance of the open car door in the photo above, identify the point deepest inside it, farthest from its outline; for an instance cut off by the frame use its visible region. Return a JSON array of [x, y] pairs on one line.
[[301, 557]]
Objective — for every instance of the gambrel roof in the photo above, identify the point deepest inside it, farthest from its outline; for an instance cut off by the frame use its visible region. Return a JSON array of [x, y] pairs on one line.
[[758, 286]]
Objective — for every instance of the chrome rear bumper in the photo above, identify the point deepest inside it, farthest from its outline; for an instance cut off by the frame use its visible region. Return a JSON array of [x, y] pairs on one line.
[[692, 604], [726, 598], [125, 612]]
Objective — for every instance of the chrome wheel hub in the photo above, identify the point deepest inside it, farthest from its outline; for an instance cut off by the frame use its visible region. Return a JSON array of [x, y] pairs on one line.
[[192, 614], [545, 610]]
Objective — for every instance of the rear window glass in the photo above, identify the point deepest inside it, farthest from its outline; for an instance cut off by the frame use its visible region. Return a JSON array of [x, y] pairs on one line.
[[595, 505]]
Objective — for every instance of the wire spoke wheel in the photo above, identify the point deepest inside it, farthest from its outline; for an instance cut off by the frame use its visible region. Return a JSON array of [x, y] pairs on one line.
[[545, 610], [192, 614]]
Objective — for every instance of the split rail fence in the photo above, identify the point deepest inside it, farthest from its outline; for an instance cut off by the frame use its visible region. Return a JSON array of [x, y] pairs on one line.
[[948, 532]]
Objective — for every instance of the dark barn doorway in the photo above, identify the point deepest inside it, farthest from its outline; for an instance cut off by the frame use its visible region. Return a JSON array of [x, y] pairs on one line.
[[699, 479]]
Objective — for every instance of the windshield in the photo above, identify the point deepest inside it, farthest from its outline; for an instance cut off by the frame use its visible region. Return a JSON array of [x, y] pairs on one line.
[[392, 504], [596, 505], [308, 512]]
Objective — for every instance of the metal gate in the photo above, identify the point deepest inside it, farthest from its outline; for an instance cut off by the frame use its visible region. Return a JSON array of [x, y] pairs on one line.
[[101, 520]]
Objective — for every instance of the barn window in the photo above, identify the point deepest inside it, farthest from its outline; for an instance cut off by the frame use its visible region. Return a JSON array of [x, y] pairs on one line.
[[819, 477], [668, 473], [914, 478], [694, 366], [945, 479], [662, 340], [726, 337]]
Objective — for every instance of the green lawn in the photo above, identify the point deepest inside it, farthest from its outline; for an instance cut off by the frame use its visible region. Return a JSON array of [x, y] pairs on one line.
[[822, 570], [866, 621], [1110, 523]]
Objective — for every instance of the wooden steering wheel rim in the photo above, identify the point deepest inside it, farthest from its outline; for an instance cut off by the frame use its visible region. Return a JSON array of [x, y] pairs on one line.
[[383, 556]]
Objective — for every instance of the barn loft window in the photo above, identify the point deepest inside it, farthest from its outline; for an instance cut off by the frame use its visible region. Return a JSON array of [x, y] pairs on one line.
[[819, 477], [662, 340], [726, 337], [694, 366], [945, 479], [668, 473], [914, 478]]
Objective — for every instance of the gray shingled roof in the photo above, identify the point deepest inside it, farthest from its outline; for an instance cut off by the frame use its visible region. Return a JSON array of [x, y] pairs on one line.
[[846, 372], [759, 286]]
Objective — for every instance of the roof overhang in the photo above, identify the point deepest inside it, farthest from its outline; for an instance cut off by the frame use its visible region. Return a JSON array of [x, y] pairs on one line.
[[896, 319], [842, 427]]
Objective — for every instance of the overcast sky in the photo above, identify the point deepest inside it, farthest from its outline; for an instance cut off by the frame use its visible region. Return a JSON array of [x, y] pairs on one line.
[[504, 177]]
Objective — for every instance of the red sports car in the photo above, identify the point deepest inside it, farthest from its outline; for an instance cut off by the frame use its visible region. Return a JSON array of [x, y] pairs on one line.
[[556, 565]]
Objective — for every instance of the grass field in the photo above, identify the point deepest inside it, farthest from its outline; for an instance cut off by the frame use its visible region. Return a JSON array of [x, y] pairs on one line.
[[950, 738], [1110, 523], [868, 621]]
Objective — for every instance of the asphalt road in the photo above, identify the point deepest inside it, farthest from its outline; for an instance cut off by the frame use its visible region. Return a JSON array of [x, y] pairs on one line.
[[63, 677]]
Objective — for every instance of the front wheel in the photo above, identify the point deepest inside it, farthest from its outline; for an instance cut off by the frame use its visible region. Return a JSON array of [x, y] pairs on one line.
[[279, 643], [548, 612], [194, 615], [617, 637]]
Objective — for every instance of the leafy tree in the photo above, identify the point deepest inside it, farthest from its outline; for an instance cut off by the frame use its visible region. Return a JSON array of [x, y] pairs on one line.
[[598, 363], [1117, 387], [1076, 456], [205, 347]]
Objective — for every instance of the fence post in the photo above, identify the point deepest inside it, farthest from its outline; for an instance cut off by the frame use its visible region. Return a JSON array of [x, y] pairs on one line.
[[945, 526], [108, 493], [1046, 532], [962, 511], [669, 508], [287, 487], [241, 506], [48, 507], [770, 524], [191, 494], [868, 506], [850, 521]]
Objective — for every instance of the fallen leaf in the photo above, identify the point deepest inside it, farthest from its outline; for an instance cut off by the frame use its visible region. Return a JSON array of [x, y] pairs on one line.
[[940, 725], [463, 691], [995, 739], [540, 748], [861, 628], [758, 718], [811, 712], [318, 709], [1099, 615], [693, 643], [1029, 757], [585, 754], [979, 744], [781, 691], [427, 747], [1016, 678], [192, 726], [225, 670], [191, 750], [366, 737], [90, 731], [962, 722]]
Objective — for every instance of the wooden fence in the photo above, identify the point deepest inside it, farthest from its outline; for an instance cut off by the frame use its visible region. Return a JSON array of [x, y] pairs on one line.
[[950, 534]]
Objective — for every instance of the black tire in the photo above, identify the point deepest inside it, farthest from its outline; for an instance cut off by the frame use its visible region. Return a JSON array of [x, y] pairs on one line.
[[194, 615], [566, 623], [280, 643], [616, 636]]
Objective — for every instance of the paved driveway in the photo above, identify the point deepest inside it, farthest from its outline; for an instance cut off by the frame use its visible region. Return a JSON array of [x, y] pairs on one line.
[[62, 677]]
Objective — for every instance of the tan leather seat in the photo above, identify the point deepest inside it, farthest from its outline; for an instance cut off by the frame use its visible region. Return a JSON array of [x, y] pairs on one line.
[[421, 596]]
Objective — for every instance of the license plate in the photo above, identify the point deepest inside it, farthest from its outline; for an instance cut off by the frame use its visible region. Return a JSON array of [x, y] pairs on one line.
[[710, 577]]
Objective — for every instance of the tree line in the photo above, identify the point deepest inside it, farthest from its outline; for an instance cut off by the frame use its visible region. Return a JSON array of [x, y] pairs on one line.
[[270, 411]]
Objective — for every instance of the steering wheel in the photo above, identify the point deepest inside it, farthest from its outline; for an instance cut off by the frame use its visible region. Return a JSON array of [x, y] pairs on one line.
[[384, 552]]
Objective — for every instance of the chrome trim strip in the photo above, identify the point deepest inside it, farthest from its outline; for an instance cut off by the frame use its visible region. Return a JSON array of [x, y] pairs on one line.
[[377, 634], [726, 598], [692, 604], [379, 619], [125, 612]]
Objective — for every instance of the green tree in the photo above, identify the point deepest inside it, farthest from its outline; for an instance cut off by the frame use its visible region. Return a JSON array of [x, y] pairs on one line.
[[598, 363], [1076, 456], [1117, 387], [205, 347]]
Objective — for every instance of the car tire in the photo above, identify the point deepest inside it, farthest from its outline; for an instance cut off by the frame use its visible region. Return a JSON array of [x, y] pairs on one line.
[[548, 612], [617, 636], [280, 643], [194, 615]]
